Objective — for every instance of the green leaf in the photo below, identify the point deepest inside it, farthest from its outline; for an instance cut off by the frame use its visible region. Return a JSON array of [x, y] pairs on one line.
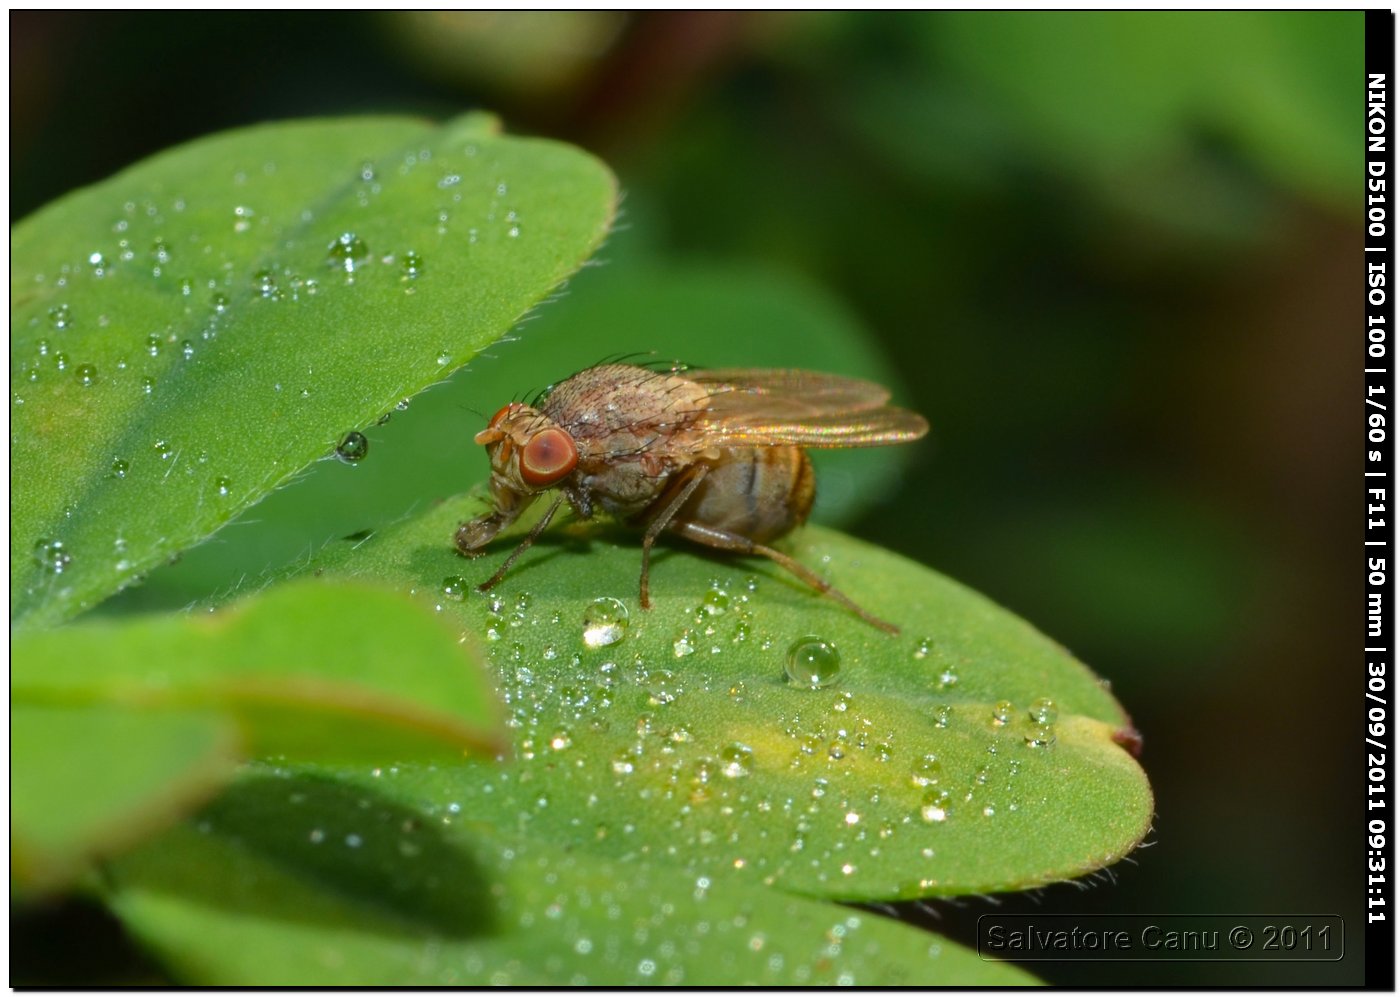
[[310, 670], [121, 727], [922, 773], [87, 781], [293, 880], [189, 334]]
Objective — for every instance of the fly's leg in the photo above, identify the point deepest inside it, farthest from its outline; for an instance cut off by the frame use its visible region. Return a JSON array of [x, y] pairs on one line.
[[529, 539], [724, 540], [663, 518]]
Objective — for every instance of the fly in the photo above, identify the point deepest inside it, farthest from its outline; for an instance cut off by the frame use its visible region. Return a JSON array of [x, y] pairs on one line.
[[718, 457]]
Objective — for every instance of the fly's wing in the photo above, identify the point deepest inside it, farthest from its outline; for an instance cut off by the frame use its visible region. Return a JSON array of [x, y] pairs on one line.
[[757, 408]]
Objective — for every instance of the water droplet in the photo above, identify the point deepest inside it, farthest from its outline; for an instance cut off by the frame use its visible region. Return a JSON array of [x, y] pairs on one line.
[[163, 449], [60, 360], [1043, 712], [265, 285], [352, 447], [242, 218], [813, 663], [412, 265], [715, 603], [61, 316], [119, 468], [347, 252], [444, 358], [604, 622], [922, 648], [684, 644], [187, 350], [935, 807], [941, 715], [51, 556], [160, 252], [86, 374], [662, 687], [98, 263], [1002, 713], [927, 771], [148, 384], [562, 739], [454, 587], [223, 485], [220, 302], [947, 679], [43, 347], [153, 344], [736, 760]]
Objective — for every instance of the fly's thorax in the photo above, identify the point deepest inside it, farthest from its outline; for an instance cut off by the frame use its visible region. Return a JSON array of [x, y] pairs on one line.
[[619, 409]]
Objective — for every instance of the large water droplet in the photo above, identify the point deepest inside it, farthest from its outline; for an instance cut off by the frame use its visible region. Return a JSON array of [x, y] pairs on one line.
[[927, 771], [352, 447], [454, 587], [1002, 713], [265, 285], [1043, 712], [86, 374], [119, 468], [813, 663], [347, 252], [604, 622], [51, 556], [60, 316], [223, 485], [736, 760], [715, 603], [936, 806]]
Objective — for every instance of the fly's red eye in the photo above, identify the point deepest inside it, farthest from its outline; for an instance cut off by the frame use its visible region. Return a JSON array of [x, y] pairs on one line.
[[549, 456]]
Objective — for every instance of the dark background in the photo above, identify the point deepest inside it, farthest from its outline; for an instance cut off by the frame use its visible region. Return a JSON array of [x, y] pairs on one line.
[[1115, 257]]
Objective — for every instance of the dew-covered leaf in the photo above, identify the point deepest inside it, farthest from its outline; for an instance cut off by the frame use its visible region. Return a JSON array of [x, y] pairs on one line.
[[970, 754], [290, 879], [192, 332]]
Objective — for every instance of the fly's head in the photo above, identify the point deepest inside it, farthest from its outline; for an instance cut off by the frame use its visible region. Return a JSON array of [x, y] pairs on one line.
[[530, 454]]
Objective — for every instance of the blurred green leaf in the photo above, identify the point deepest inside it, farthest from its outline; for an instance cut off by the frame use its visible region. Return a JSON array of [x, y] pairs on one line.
[[191, 333], [90, 780], [293, 880], [120, 727], [1109, 90], [922, 773], [703, 314]]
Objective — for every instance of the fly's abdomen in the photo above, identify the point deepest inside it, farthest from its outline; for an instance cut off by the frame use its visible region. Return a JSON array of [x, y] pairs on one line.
[[760, 493]]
